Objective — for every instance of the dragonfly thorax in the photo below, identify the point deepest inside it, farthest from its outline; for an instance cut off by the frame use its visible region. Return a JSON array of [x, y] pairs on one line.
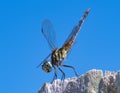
[[58, 56]]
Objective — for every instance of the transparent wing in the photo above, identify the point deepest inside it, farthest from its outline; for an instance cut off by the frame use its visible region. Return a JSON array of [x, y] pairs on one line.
[[76, 29], [44, 60], [49, 34]]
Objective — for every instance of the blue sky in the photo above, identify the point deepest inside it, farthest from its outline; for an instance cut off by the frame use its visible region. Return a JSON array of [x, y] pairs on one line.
[[23, 46]]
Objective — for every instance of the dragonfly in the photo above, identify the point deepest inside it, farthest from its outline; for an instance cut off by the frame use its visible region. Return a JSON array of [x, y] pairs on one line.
[[55, 59]]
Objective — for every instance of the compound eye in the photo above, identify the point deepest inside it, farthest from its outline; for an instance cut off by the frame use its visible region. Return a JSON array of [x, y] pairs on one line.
[[47, 67]]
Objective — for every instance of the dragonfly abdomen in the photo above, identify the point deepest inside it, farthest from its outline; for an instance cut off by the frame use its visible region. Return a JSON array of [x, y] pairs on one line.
[[68, 45]]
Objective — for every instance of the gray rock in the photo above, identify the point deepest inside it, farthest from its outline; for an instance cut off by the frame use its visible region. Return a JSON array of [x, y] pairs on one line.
[[92, 82]]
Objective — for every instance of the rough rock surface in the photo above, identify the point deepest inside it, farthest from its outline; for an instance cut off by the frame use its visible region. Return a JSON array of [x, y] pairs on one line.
[[92, 82]]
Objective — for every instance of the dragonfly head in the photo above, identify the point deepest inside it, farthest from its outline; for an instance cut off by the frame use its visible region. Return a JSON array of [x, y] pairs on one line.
[[47, 66]]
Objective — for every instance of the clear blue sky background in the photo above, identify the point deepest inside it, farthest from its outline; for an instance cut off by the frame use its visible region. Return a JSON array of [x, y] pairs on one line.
[[23, 47]]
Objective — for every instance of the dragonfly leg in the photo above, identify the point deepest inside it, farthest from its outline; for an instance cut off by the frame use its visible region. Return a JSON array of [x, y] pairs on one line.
[[63, 74], [72, 68], [55, 74]]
